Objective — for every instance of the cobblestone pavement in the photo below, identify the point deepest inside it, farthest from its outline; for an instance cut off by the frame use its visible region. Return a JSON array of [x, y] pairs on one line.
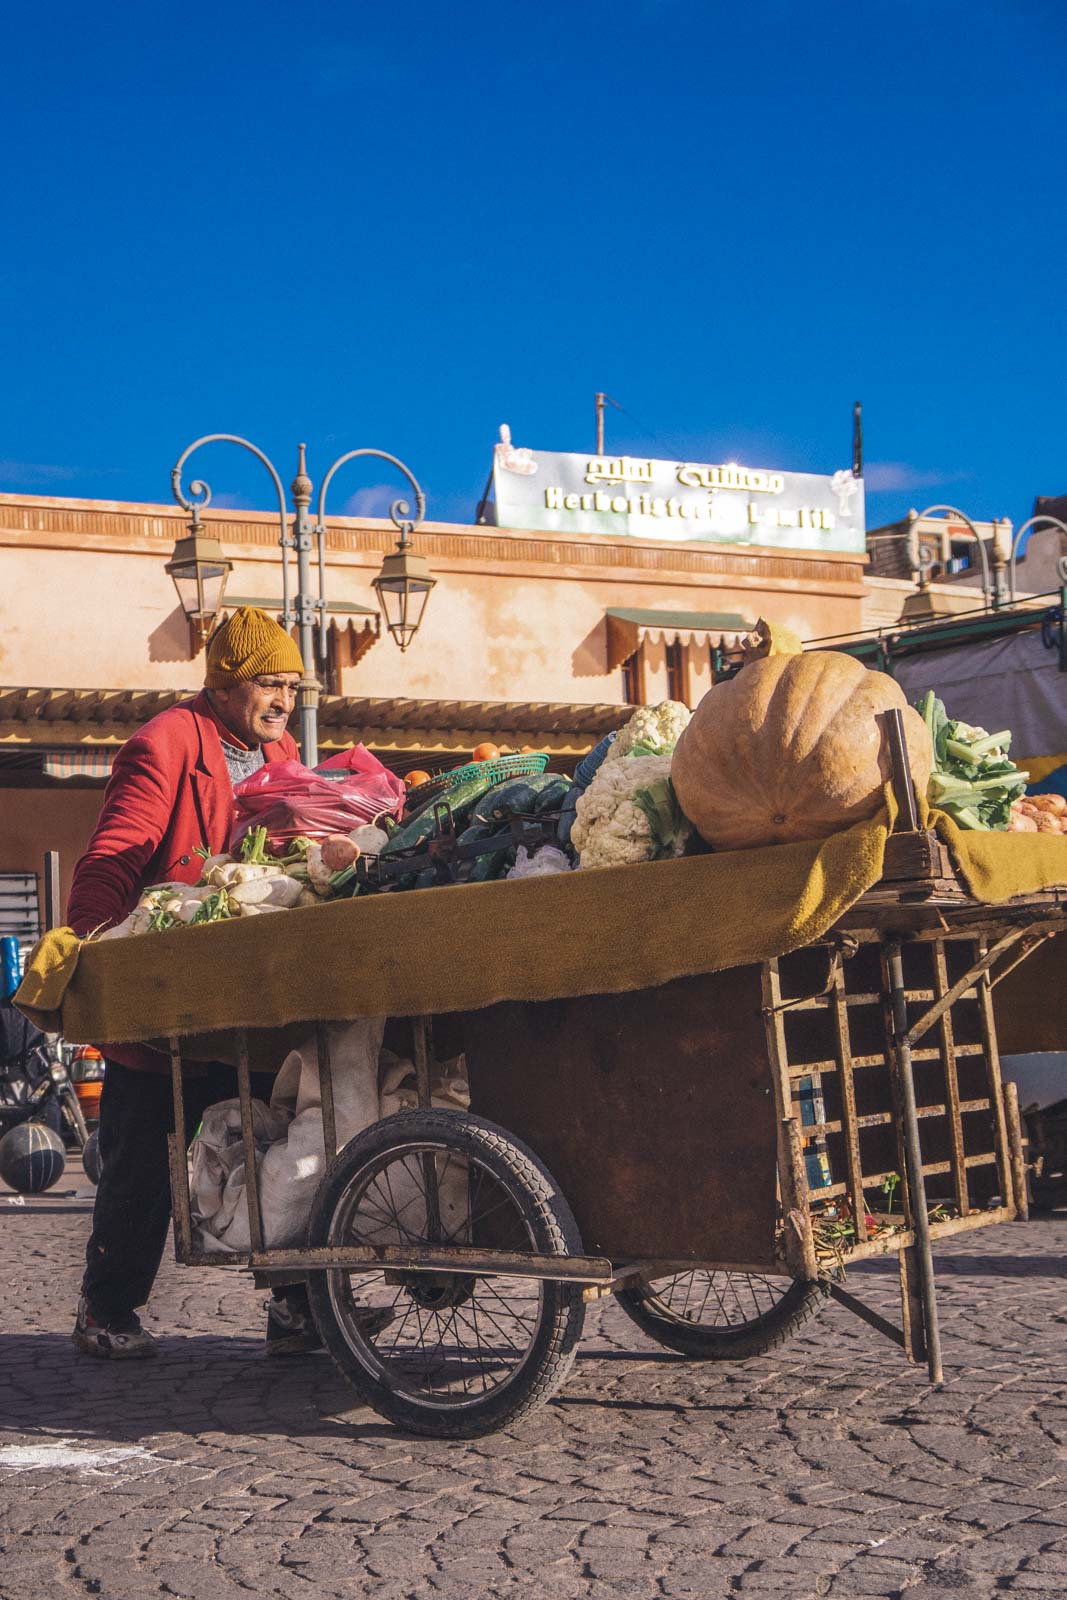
[[830, 1469]]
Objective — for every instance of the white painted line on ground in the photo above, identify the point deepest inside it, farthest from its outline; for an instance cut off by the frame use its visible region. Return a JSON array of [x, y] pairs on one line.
[[68, 1456]]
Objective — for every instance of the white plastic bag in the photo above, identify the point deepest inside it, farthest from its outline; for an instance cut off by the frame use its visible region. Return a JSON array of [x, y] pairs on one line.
[[290, 1150], [542, 864]]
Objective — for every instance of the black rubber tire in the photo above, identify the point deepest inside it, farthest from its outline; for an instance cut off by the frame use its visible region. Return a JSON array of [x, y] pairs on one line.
[[1047, 1194], [708, 1341], [550, 1221]]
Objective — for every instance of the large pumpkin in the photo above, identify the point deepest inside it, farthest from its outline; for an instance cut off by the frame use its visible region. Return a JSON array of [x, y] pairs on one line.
[[792, 748]]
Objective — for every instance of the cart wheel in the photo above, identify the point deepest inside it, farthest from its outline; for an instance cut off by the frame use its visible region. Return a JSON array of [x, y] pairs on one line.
[[454, 1355], [721, 1316]]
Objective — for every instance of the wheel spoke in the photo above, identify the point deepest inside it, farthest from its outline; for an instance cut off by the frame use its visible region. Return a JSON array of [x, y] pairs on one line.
[[715, 1299], [453, 1339]]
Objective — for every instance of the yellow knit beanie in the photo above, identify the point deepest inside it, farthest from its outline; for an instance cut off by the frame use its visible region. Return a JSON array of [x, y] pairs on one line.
[[248, 644]]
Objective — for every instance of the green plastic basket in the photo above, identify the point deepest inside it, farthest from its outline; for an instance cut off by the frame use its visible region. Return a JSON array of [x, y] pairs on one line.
[[497, 771]]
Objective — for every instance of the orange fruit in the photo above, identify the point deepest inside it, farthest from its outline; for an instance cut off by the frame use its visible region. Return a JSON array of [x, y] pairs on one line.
[[485, 752], [413, 779]]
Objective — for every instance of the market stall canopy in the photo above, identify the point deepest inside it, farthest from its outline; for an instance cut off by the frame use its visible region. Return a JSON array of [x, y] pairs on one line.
[[461, 724], [1014, 682], [57, 719], [627, 629]]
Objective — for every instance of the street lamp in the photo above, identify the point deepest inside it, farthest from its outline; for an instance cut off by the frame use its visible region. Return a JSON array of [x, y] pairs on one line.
[[403, 588], [404, 583], [199, 569], [304, 610]]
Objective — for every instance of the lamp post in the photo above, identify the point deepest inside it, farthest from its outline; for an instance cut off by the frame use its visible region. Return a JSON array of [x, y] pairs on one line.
[[199, 570], [304, 610], [404, 583]]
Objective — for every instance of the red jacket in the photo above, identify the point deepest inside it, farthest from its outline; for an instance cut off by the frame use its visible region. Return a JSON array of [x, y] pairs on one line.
[[169, 791]]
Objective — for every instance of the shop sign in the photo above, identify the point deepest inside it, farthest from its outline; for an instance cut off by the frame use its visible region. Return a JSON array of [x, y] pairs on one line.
[[676, 500]]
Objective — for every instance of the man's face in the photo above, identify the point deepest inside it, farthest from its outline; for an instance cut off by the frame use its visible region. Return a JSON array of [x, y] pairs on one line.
[[257, 709]]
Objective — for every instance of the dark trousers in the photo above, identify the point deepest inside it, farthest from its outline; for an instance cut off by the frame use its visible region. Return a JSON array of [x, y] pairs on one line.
[[132, 1211]]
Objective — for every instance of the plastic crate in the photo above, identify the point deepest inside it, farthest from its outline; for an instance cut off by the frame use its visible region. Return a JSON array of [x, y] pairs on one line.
[[498, 771]]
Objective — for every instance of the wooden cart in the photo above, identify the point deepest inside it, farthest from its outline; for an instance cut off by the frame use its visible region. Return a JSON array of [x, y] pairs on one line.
[[715, 1152]]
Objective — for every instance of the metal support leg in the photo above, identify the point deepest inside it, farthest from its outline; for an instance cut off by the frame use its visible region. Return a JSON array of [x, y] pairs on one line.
[[420, 1043], [420, 1037], [1015, 1150], [180, 1201], [248, 1139], [913, 1160], [911, 1305], [329, 1121]]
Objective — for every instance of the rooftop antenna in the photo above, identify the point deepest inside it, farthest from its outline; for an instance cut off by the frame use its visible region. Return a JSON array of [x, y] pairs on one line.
[[857, 440], [601, 401]]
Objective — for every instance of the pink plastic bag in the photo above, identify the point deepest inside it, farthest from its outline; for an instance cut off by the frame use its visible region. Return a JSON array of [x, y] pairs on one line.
[[289, 799]]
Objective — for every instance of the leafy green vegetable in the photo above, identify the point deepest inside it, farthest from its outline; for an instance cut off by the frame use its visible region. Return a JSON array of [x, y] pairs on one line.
[[650, 747], [214, 908], [254, 851], [667, 824], [973, 780]]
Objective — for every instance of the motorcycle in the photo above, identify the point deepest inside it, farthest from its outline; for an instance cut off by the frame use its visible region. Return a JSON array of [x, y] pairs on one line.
[[35, 1083]]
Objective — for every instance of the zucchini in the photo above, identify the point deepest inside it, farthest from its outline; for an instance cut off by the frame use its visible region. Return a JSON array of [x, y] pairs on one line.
[[488, 866], [553, 794], [517, 797], [421, 828], [476, 831]]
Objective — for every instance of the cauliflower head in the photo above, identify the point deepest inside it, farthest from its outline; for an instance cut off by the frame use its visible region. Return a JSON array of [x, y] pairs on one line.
[[656, 729], [628, 814]]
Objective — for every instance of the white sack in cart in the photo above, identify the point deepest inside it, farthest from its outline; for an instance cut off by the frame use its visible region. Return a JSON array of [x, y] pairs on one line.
[[217, 1180], [398, 1091], [290, 1149]]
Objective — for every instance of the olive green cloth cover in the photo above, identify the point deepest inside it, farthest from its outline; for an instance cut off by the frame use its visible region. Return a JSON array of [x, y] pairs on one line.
[[456, 949]]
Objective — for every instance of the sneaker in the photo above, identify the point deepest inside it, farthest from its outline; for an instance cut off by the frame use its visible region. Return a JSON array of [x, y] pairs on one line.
[[121, 1340], [290, 1330]]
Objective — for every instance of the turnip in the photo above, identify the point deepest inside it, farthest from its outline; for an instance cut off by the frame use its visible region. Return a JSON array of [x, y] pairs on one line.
[[251, 893], [319, 874], [371, 840], [223, 859], [339, 851], [284, 892]]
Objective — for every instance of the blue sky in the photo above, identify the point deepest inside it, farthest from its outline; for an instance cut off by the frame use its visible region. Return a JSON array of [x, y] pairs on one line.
[[400, 226]]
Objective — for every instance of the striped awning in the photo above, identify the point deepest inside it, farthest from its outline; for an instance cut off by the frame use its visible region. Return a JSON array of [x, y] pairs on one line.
[[630, 627], [78, 763]]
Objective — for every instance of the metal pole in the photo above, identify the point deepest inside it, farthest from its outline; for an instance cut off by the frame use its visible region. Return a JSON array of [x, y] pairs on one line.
[[1014, 1121], [52, 898], [913, 1161], [305, 615], [600, 423]]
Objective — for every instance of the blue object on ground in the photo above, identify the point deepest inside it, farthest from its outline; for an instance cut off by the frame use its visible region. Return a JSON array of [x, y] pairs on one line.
[[10, 966]]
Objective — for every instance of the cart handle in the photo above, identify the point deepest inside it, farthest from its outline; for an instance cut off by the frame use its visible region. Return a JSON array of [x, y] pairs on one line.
[[903, 786]]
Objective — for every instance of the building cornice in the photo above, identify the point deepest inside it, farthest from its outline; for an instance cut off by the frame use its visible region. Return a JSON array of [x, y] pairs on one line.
[[28, 520]]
